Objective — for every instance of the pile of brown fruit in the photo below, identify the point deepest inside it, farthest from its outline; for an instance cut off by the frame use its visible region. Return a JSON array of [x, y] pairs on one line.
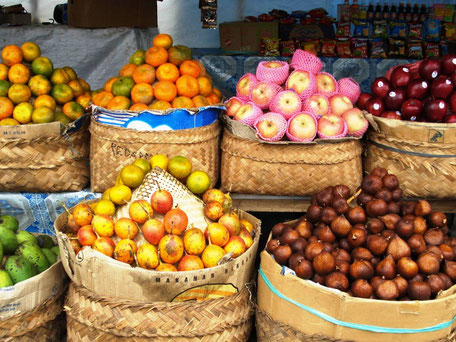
[[381, 248]]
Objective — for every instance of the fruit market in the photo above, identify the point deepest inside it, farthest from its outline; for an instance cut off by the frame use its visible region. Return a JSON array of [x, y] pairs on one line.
[[227, 171]]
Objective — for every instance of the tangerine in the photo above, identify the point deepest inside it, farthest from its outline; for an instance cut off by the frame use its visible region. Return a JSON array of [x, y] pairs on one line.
[[102, 98], [142, 93], [156, 55], [165, 91], [132, 175], [144, 74], [11, 54], [23, 112], [127, 70], [62, 93], [179, 53], [19, 93], [167, 72], [73, 110], [163, 40], [42, 66], [4, 87], [138, 107], [205, 86], [3, 71], [6, 107], [160, 105], [39, 85], [190, 68], [119, 103], [19, 73], [123, 86], [43, 115], [78, 90], [200, 101], [187, 86], [183, 102], [30, 51], [71, 73], [45, 101], [109, 82], [138, 57]]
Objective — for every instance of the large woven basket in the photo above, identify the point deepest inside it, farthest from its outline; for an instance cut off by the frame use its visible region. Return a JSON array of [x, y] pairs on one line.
[[45, 164], [422, 155], [249, 166], [114, 147]]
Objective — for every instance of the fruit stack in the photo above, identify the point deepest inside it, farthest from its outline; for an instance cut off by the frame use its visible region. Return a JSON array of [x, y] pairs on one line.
[[298, 101]]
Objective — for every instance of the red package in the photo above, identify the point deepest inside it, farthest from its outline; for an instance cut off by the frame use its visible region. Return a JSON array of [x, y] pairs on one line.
[[328, 47], [343, 49]]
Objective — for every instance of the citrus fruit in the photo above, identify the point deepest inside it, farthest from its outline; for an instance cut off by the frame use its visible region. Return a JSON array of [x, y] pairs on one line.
[[71, 73], [30, 51], [23, 112], [142, 164], [180, 167], [62, 93], [183, 102], [160, 105], [156, 55], [178, 54], [120, 194], [19, 73], [132, 175], [200, 101], [201, 66], [138, 57], [84, 100], [105, 207], [39, 85], [62, 118], [19, 93], [78, 90], [198, 182], [165, 91], [187, 86], [159, 160], [123, 86], [3, 71], [84, 84], [12, 54], [138, 107], [205, 86], [42, 66], [167, 72], [4, 86], [164, 40], [142, 93], [9, 122], [43, 115], [45, 101], [102, 98], [108, 85], [127, 70], [59, 76], [144, 74], [6, 107], [119, 103], [189, 68], [73, 110]]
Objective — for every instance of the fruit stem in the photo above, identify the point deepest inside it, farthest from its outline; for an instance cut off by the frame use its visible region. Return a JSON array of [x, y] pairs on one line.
[[158, 185], [354, 196], [65, 207]]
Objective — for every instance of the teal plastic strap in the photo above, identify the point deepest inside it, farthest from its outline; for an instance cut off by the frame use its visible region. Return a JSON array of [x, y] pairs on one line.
[[365, 327]]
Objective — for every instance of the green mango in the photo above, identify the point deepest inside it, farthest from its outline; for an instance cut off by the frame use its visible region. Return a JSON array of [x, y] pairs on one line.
[[50, 256], [10, 222], [19, 268], [45, 241], [5, 279], [24, 236], [33, 254], [56, 250], [8, 239]]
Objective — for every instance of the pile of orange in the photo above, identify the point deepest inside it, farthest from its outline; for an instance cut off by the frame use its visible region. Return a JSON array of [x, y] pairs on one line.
[[163, 77], [33, 91]]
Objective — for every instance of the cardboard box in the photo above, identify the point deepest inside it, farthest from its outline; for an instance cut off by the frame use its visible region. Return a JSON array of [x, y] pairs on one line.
[[16, 18], [242, 37], [112, 13]]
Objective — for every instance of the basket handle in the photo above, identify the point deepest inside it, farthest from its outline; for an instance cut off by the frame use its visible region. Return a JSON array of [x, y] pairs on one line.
[[413, 67]]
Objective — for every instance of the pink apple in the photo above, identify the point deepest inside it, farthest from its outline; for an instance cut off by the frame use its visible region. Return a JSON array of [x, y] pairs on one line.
[[287, 103], [302, 82], [340, 104], [317, 104], [356, 122], [263, 92], [350, 88], [232, 105], [302, 127], [272, 71], [331, 126], [271, 126], [245, 85], [326, 84], [248, 113]]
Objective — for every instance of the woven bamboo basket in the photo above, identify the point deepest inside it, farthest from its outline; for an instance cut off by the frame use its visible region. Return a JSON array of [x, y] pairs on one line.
[[114, 147], [249, 166], [422, 155], [45, 164]]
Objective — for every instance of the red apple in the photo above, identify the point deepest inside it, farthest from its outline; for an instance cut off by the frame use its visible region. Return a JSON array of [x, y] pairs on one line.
[[302, 126], [392, 115], [400, 77], [452, 102], [429, 69], [434, 110], [362, 100], [441, 87], [357, 123], [450, 118], [232, 105], [453, 77], [411, 108], [448, 63], [375, 106], [271, 126], [394, 99], [331, 126], [380, 87], [417, 88]]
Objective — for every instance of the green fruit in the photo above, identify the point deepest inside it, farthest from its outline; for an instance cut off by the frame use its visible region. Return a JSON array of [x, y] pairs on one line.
[[24, 236], [8, 240], [33, 254], [138, 57], [1, 252], [9, 222], [50, 256], [45, 241], [19, 268], [56, 250], [5, 279]]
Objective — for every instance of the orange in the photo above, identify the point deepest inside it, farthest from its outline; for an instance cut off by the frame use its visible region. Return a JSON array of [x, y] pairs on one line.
[[142, 93], [3, 71], [108, 84], [12, 54], [84, 84], [23, 112], [73, 110], [165, 91], [30, 51], [138, 57], [4, 87], [119, 103], [138, 107], [84, 99], [70, 72], [160, 105], [77, 87], [42, 66], [156, 56], [59, 76], [43, 115], [19, 93], [167, 72], [19, 73], [187, 86], [123, 86], [44, 101], [178, 54], [39, 85], [200, 101], [183, 102], [9, 122], [205, 86], [102, 98], [201, 66], [213, 98], [190, 68], [6, 107], [127, 69], [62, 93], [164, 40], [145, 73], [217, 92]]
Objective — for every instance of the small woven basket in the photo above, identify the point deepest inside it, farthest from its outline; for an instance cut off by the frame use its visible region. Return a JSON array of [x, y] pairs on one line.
[[249, 166], [114, 147]]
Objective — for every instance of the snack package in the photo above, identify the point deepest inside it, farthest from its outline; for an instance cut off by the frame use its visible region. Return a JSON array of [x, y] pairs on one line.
[[415, 31], [396, 47], [271, 47], [311, 45], [398, 29], [287, 48], [359, 48], [343, 30], [362, 29], [439, 11], [328, 47], [448, 13], [431, 49], [449, 31], [380, 29], [378, 48], [432, 30], [343, 49], [415, 49]]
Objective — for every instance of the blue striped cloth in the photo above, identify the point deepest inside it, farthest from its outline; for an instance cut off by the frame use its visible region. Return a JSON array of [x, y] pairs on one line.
[[112, 118]]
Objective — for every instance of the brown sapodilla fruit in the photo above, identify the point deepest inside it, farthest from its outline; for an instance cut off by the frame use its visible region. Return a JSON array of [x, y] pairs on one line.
[[407, 208], [328, 215], [407, 268], [299, 245], [278, 229], [402, 285], [313, 213], [387, 290], [288, 237], [394, 208], [341, 190], [398, 248], [303, 269], [386, 268], [418, 277], [377, 244], [361, 288], [375, 226], [337, 280], [446, 280], [419, 290], [357, 237], [361, 253], [356, 215], [449, 268], [282, 254], [376, 207], [363, 198], [312, 239], [434, 236], [447, 251], [324, 197], [361, 269], [404, 228], [340, 205], [318, 278], [390, 220], [419, 225], [428, 263], [385, 195], [376, 280], [343, 243], [388, 234], [341, 255], [272, 245], [304, 229], [342, 266], [313, 249], [340, 226], [422, 208], [397, 194], [294, 258], [375, 261], [436, 283], [325, 234], [436, 250], [328, 247], [390, 182], [371, 184], [379, 171], [437, 219], [416, 243], [324, 263]]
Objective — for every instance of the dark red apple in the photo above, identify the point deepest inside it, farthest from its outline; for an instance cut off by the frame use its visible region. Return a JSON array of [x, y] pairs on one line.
[[411, 108], [452, 102], [429, 69], [434, 110], [400, 77], [417, 88], [380, 87], [392, 115], [394, 99], [441, 87], [375, 106], [453, 77], [362, 100], [448, 63], [451, 118]]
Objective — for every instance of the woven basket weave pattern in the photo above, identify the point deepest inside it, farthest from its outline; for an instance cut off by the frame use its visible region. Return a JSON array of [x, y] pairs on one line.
[[251, 167], [114, 147]]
